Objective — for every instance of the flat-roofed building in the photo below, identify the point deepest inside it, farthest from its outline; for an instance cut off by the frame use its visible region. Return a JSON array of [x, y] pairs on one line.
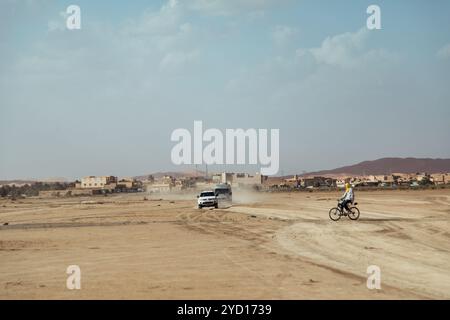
[[240, 179], [440, 178], [94, 182]]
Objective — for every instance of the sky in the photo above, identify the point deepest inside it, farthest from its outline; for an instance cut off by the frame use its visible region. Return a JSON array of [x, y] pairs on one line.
[[104, 100]]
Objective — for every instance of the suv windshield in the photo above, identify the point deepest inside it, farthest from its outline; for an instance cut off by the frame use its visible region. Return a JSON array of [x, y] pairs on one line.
[[207, 194], [222, 191]]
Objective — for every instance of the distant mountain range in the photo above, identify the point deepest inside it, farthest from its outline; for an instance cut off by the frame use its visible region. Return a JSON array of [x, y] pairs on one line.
[[388, 166], [374, 167]]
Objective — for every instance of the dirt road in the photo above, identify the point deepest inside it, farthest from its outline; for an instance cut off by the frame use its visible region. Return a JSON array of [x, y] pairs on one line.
[[267, 246]]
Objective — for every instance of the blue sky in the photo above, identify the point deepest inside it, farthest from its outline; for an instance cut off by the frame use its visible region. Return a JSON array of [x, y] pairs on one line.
[[105, 99]]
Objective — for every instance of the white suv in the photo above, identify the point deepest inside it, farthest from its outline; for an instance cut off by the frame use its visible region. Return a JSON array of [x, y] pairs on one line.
[[207, 199]]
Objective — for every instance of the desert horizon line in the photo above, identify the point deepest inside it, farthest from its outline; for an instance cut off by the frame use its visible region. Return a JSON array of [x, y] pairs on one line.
[[202, 172]]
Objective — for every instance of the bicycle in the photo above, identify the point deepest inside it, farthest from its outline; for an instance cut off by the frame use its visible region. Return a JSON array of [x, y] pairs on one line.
[[337, 212]]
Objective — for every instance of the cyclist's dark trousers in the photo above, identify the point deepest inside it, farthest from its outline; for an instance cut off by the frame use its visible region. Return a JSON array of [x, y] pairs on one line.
[[344, 204]]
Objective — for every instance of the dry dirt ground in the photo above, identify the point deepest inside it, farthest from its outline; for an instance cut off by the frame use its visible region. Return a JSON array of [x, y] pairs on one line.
[[267, 246]]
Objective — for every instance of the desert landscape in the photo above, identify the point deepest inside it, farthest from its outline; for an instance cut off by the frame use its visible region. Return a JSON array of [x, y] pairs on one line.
[[266, 246]]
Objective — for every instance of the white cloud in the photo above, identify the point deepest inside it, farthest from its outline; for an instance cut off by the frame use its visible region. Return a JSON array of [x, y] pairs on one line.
[[55, 25], [282, 75], [282, 34], [140, 50], [299, 53], [255, 15], [345, 50], [444, 52], [162, 22], [175, 60], [58, 25], [230, 7]]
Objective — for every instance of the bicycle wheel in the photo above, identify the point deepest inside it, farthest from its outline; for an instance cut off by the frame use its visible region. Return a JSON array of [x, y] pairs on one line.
[[335, 214], [354, 213]]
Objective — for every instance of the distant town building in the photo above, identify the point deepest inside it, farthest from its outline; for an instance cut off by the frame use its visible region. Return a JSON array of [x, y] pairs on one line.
[[317, 182], [239, 179], [158, 188], [294, 182], [440, 178], [163, 185], [94, 182], [128, 183]]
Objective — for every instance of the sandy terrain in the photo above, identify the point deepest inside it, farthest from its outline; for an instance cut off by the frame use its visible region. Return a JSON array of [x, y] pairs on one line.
[[267, 246]]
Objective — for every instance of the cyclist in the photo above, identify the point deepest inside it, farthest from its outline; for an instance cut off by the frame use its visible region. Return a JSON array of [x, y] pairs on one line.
[[348, 197]]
